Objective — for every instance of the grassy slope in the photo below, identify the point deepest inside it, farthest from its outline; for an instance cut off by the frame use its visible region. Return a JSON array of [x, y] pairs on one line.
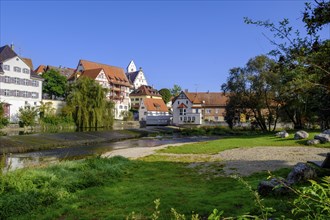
[[213, 147], [113, 188]]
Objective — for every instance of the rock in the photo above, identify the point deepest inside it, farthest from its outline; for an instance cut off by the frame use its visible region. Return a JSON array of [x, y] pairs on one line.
[[301, 135], [275, 186], [313, 142], [301, 172], [323, 137], [326, 132], [282, 134]]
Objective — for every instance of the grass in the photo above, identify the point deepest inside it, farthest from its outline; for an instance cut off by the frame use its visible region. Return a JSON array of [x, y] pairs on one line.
[[226, 143], [113, 188]]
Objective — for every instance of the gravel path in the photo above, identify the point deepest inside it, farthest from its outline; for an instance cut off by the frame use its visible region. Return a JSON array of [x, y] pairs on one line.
[[241, 161]]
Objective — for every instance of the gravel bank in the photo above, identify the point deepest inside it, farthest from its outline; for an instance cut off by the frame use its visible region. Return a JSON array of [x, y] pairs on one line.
[[242, 161]]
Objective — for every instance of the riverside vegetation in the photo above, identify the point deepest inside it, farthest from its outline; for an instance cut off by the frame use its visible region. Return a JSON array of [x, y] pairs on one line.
[[118, 188]]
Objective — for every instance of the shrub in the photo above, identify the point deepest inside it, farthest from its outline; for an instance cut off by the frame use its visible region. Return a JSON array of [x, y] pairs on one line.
[[3, 122], [27, 116]]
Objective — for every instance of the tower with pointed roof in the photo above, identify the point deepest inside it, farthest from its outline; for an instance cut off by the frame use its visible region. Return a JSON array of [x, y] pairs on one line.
[[136, 77]]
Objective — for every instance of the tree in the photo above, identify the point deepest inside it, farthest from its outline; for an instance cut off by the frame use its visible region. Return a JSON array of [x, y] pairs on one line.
[[166, 94], [3, 120], [88, 105], [27, 116], [252, 92], [304, 66], [55, 84], [176, 90]]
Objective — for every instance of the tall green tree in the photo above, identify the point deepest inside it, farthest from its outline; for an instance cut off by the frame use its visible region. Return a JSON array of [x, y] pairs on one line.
[[176, 90], [27, 116], [251, 92], [88, 105], [55, 84], [166, 94]]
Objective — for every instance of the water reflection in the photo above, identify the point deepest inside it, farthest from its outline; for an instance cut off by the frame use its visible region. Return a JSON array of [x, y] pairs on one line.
[[21, 160]]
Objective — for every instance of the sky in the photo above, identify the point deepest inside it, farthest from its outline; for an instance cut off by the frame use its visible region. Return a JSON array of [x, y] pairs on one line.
[[189, 43]]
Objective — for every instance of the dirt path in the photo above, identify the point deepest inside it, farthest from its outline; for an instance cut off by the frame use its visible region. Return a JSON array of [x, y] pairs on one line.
[[240, 161]]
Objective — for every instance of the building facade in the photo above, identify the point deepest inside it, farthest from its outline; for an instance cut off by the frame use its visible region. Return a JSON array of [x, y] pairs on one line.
[[154, 112], [142, 92], [19, 85], [196, 108], [110, 77], [136, 77]]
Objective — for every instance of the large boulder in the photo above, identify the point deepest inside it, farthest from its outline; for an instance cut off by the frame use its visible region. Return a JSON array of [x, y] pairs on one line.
[[275, 186], [323, 137], [301, 172], [282, 134], [313, 142], [301, 135]]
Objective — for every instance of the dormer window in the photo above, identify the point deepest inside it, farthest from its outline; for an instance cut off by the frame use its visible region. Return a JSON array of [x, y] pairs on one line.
[[17, 69]]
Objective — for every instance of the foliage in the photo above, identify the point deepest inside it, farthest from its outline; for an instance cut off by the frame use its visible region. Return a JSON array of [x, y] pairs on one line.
[[46, 109], [3, 120], [56, 120], [55, 84], [303, 65], [88, 105], [253, 91], [27, 115], [127, 115], [313, 201], [166, 94], [176, 90]]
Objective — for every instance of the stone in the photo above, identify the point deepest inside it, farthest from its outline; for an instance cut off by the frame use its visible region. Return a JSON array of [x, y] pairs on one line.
[[275, 186], [313, 142], [326, 131], [323, 137], [282, 134], [301, 135], [300, 173]]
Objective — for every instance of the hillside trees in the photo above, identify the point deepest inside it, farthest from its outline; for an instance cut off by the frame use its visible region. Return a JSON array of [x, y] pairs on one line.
[[166, 94], [54, 85], [88, 106], [301, 75]]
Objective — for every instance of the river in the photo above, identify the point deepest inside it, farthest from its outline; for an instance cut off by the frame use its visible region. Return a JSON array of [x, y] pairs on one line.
[[45, 157]]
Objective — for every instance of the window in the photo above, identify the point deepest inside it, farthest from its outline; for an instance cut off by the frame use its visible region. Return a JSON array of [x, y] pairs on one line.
[[26, 103], [187, 102], [7, 93], [136, 99], [208, 111], [16, 80], [132, 100], [7, 79], [25, 70], [120, 107], [142, 107], [183, 111], [34, 83], [193, 119], [25, 94], [16, 93], [197, 110], [26, 82], [216, 118], [17, 69], [35, 103], [180, 118], [6, 67], [216, 111], [34, 95], [125, 107], [178, 102]]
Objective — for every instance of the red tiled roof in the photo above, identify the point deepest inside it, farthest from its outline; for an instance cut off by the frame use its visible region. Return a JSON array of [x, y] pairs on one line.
[[40, 69], [206, 98], [28, 62], [115, 74], [92, 73], [145, 90], [155, 105]]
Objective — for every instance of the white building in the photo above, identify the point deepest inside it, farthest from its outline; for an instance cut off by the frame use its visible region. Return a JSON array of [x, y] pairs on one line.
[[19, 85], [154, 112], [136, 77], [110, 77]]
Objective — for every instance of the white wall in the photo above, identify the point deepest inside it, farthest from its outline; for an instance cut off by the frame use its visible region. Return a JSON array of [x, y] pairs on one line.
[[189, 113], [17, 101]]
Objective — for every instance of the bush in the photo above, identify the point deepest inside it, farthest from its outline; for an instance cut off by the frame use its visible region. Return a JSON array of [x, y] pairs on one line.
[[27, 116], [3, 122]]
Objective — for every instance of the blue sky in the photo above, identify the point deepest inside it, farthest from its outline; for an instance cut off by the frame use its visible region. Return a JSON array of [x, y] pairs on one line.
[[189, 43]]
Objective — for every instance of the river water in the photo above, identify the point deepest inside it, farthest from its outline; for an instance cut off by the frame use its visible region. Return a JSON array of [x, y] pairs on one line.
[[45, 157]]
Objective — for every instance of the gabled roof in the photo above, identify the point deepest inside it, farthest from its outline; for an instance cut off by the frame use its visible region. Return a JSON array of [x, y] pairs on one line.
[[115, 74], [206, 98], [40, 69], [67, 72], [132, 76], [6, 53], [92, 73], [145, 90], [155, 105], [28, 62]]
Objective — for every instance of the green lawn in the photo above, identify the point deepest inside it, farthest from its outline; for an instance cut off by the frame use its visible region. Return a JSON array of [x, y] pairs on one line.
[[114, 188], [225, 143]]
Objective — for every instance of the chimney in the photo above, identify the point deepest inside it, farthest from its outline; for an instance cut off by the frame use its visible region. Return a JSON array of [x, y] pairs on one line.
[[186, 90], [12, 46]]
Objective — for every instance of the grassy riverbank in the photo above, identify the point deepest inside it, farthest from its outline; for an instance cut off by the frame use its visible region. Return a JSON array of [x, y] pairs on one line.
[[113, 188]]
